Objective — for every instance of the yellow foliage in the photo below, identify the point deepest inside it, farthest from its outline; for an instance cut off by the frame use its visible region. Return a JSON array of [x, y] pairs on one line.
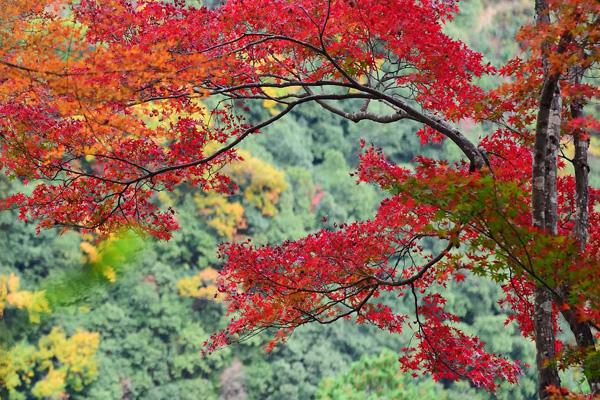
[[93, 256], [261, 185], [109, 273], [51, 386], [75, 353], [160, 115], [595, 146], [13, 283], [63, 362], [200, 286], [270, 105], [276, 93], [35, 303], [165, 199], [16, 365], [227, 217], [90, 251], [261, 182]]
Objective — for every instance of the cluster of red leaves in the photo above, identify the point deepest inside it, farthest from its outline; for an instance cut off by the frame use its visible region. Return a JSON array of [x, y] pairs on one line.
[[85, 84], [309, 41], [450, 354], [518, 298], [342, 273], [565, 45], [116, 186], [101, 126], [570, 43]]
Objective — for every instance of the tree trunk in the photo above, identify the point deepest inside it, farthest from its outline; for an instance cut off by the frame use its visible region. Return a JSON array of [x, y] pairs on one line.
[[545, 216], [551, 164], [544, 211], [582, 170], [582, 331], [585, 342]]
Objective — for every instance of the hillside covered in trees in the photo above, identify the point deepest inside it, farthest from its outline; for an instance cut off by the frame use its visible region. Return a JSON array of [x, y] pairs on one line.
[[127, 316]]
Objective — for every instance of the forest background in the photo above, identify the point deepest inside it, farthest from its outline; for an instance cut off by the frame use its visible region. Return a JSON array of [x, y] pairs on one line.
[[141, 310]]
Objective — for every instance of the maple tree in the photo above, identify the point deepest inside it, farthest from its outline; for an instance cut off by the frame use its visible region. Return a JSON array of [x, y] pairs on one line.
[[82, 83]]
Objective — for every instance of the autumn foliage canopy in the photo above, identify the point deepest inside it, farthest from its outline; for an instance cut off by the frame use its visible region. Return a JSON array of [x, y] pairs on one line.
[[105, 103]]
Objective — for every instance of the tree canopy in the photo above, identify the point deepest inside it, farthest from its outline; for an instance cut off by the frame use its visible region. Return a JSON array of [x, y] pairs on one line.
[[107, 106]]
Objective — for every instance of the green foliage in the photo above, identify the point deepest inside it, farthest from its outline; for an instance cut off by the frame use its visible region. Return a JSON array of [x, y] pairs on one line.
[[343, 200], [104, 264], [32, 256], [151, 336], [293, 371], [378, 378]]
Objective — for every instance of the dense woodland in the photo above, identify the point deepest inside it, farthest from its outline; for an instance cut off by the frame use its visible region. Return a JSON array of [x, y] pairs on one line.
[[126, 317]]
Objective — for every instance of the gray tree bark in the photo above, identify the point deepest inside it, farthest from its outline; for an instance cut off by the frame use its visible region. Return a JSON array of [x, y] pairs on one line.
[[544, 211], [545, 216], [582, 331]]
